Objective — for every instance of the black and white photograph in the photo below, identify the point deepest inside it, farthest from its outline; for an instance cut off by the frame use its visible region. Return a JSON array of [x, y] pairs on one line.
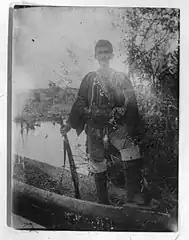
[[94, 118]]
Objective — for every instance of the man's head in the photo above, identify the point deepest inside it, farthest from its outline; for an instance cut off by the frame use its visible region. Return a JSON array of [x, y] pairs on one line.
[[103, 52]]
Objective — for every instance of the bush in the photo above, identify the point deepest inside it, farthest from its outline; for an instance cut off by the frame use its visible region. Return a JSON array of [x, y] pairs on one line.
[[160, 144]]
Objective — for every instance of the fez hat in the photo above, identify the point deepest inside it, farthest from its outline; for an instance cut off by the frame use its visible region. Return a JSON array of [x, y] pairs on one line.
[[103, 46]]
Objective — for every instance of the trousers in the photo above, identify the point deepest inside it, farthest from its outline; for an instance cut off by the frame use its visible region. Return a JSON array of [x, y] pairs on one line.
[[131, 163]]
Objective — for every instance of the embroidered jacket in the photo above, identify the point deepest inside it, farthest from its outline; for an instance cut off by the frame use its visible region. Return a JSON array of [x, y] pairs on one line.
[[101, 103]]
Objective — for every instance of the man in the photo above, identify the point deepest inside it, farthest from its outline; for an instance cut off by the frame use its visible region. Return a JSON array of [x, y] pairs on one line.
[[106, 109]]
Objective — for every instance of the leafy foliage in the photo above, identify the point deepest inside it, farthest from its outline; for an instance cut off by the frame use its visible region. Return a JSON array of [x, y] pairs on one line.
[[150, 42]]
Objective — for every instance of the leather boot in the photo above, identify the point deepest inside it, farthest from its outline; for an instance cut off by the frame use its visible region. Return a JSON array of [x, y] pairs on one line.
[[101, 187], [132, 179]]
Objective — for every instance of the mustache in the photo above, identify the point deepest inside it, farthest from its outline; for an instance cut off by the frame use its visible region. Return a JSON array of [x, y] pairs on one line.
[[103, 56]]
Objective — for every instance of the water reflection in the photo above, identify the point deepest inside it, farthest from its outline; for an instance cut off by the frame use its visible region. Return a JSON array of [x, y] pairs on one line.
[[45, 144]]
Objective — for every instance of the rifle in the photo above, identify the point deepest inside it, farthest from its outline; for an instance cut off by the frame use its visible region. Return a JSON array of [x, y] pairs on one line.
[[67, 149]]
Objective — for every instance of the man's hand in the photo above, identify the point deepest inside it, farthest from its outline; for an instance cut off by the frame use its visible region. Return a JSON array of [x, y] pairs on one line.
[[120, 111], [65, 129]]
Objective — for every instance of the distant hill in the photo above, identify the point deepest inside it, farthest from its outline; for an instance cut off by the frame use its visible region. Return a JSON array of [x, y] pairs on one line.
[[66, 95], [44, 102]]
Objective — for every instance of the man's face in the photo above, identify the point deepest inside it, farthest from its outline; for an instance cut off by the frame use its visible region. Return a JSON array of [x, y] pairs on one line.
[[103, 58]]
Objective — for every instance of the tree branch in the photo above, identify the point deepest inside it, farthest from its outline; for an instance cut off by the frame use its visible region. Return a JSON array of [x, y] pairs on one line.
[[147, 30], [156, 45]]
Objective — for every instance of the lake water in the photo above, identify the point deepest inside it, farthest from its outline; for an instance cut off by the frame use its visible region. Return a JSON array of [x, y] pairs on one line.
[[45, 144]]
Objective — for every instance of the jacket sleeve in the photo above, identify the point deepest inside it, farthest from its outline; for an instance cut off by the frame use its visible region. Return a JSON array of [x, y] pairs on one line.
[[76, 117]]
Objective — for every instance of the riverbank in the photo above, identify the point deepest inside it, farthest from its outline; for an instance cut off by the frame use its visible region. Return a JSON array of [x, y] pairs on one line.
[[42, 176]]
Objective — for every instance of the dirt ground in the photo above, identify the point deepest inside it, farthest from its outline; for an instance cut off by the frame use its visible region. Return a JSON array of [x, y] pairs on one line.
[[48, 178], [59, 180]]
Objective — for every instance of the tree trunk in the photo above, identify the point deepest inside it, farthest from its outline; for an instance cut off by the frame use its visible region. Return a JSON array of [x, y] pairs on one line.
[[58, 205]]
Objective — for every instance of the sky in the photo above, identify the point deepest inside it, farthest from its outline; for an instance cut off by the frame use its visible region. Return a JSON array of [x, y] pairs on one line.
[[47, 39]]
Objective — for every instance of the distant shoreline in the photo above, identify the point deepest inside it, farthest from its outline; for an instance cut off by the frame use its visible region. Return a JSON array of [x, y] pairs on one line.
[[42, 105]]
